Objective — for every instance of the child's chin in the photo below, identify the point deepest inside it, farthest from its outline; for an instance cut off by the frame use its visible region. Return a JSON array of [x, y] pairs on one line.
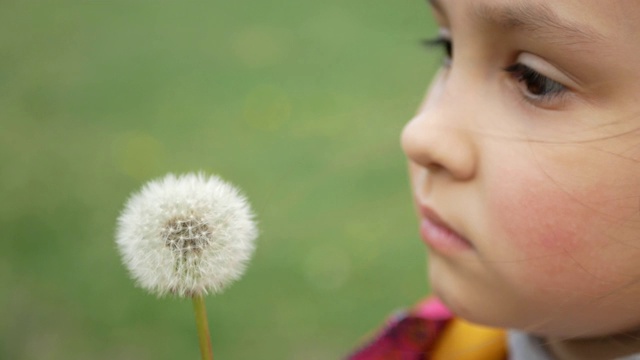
[[474, 306], [464, 309]]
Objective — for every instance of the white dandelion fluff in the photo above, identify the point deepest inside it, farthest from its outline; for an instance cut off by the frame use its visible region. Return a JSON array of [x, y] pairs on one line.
[[186, 235]]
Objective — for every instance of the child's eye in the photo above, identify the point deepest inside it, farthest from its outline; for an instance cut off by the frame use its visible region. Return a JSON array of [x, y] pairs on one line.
[[537, 86], [444, 43]]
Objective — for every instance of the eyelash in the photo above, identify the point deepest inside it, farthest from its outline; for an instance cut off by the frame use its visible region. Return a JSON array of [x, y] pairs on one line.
[[442, 43], [537, 86]]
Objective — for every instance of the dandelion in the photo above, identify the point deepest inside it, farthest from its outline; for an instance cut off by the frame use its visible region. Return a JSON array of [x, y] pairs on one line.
[[187, 236]]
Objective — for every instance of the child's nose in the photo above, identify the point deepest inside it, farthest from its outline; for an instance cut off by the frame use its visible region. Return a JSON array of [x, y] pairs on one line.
[[437, 139]]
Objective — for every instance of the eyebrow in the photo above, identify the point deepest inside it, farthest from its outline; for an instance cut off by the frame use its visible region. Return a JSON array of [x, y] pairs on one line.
[[537, 19]]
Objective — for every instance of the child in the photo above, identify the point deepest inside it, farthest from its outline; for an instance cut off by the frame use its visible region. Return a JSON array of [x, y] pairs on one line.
[[523, 161]]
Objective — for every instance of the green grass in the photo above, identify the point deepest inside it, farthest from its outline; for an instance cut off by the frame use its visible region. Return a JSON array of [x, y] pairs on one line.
[[299, 103]]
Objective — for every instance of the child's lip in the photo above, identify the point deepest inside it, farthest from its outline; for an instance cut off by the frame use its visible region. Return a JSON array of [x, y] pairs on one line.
[[438, 235], [433, 216]]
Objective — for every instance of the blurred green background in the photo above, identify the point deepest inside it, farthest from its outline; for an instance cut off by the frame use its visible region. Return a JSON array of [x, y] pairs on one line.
[[300, 103]]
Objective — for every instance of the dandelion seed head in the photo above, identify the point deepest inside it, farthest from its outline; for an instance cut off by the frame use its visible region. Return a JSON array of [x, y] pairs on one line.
[[186, 235]]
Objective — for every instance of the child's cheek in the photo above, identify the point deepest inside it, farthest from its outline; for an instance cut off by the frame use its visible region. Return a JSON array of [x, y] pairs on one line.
[[540, 228], [536, 217]]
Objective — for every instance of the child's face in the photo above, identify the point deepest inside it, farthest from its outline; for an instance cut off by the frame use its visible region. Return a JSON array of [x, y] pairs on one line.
[[527, 146]]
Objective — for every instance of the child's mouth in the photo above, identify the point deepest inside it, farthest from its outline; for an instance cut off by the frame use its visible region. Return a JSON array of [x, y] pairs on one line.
[[438, 236]]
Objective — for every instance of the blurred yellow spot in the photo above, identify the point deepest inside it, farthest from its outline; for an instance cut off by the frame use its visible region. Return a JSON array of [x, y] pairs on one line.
[[267, 108], [138, 155], [365, 238], [259, 47]]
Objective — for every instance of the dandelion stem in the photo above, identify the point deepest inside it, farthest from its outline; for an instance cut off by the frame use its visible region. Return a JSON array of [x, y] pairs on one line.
[[203, 327]]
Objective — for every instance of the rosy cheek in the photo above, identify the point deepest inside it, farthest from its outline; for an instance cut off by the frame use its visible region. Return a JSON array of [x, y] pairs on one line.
[[533, 218], [550, 239]]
